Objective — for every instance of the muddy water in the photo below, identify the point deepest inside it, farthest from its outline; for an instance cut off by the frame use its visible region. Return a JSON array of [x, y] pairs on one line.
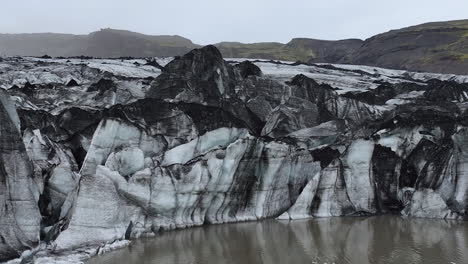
[[385, 239]]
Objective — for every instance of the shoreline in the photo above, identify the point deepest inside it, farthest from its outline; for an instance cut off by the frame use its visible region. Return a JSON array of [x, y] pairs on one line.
[[44, 253]]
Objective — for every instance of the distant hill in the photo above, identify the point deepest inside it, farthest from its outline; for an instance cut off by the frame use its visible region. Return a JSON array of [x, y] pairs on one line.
[[118, 43], [299, 49], [41, 44], [103, 43], [433, 47]]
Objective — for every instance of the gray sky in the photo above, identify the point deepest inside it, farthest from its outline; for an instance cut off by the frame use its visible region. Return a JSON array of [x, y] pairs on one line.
[[212, 21]]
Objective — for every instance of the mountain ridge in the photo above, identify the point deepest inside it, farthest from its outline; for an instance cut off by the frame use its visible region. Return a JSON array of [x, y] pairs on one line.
[[431, 47], [104, 43]]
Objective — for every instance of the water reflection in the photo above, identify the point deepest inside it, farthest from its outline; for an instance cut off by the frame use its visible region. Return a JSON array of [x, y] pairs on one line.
[[386, 239]]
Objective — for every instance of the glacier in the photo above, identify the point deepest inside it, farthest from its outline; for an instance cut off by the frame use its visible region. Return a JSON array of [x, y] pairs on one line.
[[129, 149]]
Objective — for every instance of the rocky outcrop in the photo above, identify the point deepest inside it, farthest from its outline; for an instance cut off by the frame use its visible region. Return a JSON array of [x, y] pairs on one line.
[[332, 105], [247, 68], [200, 76]]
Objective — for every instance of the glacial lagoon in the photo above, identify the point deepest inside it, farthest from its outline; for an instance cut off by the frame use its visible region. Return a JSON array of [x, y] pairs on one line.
[[340, 240]]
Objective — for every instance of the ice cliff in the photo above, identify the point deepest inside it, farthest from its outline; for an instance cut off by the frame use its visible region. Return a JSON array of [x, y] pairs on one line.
[[97, 151]]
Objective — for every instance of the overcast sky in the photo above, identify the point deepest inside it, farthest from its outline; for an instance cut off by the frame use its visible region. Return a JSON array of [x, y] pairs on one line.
[[212, 21]]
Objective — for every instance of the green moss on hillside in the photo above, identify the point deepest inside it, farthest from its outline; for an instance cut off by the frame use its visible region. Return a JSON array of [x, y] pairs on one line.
[[266, 50], [463, 57]]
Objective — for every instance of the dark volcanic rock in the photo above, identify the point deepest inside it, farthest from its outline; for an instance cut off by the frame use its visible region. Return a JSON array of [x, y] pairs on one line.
[[174, 118], [426, 113], [28, 88], [103, 86], [325, 156], [72, 83], [446, 91], [199, 76], [379, 95], [203, 77], [247, 69], [310, 90], [331, 105], [385, 92], [154, 63]]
